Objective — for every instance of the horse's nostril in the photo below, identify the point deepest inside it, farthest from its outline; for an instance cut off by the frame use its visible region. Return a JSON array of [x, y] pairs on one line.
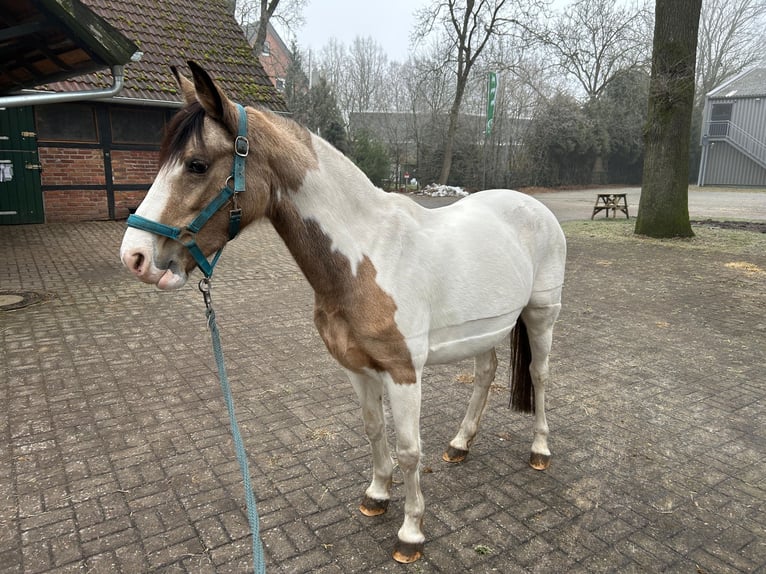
[[138, 262]]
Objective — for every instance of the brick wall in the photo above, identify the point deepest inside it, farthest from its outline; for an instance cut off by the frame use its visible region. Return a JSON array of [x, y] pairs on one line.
[[134, 166], [125, 201], [70, 205], [73, 167]]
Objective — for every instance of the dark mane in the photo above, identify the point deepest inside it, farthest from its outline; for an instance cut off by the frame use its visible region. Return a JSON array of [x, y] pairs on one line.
[[184, 126]]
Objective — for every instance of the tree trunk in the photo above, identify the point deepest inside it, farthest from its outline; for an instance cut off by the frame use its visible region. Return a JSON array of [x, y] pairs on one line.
[[265, 13], [452, 130], [664, 207]]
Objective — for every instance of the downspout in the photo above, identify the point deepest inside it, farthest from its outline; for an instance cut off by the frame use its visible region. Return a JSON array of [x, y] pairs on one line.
[[41, 98], [703, 162], [705, 141]]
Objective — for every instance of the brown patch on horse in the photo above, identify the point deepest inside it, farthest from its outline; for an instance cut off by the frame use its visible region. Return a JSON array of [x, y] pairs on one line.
[[282, 150], [353, 315]]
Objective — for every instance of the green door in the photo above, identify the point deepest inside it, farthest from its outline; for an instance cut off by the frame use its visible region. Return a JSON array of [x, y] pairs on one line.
[[21, 198]]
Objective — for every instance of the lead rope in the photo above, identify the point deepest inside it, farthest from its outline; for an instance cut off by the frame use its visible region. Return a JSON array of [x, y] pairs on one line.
[[259, 564]]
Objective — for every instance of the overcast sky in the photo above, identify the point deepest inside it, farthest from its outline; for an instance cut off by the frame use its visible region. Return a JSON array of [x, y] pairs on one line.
[[388, 22]]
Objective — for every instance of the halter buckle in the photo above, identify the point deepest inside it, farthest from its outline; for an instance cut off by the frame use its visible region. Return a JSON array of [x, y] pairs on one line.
[[241, 146]]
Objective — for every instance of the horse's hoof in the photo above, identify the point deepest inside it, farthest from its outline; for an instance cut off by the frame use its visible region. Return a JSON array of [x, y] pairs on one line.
[[372, 507], [539, 461], [453, 454], [408, 552]]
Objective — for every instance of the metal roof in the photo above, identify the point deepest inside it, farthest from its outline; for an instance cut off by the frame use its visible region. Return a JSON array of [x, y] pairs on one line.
[[748, 84]]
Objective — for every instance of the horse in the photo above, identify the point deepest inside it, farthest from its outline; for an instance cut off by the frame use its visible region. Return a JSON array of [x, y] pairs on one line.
[[396, 286]]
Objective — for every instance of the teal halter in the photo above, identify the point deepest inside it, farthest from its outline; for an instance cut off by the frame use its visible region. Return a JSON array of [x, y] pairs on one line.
[[187, 235]]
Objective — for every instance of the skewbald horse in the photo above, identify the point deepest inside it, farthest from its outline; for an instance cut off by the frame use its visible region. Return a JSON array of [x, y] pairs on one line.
[[397, 286]]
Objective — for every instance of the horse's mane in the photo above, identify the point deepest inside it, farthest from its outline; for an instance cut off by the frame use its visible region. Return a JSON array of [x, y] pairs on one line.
[[184, 126]]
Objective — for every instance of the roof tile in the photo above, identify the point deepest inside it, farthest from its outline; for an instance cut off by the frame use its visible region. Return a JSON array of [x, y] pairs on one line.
[[170, 32]]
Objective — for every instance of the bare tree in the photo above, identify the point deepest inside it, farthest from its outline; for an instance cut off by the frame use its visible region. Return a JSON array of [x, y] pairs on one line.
[[395, 91], [525, 83], [366, 69], [468, 25], [331, 64], [430, 87], [730, 39], [358, 74], [258, 14], [664, 207], [430, 84], [593, 40]]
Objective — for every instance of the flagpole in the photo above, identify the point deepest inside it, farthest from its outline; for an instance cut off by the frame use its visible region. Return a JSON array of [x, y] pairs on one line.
[[491, 96], [484, 147]]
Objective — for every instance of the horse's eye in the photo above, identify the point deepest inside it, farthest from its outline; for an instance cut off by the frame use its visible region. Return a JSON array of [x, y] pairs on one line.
[[197, 166]]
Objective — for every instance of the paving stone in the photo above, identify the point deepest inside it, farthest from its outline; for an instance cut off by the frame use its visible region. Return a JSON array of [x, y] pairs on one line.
[[116, 453]]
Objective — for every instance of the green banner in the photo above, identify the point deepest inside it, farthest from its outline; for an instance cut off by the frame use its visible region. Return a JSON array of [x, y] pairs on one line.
[[491, 95]]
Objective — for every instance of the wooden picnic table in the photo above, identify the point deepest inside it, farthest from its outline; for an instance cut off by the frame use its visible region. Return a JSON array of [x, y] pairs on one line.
[[613, 201]]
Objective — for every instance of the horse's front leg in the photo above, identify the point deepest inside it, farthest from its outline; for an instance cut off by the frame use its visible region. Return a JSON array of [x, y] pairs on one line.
[[370, 393], [405, 407]]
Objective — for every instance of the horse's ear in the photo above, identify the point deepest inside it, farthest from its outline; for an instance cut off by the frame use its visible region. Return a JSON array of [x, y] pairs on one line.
[[213, 100], [187, 87]]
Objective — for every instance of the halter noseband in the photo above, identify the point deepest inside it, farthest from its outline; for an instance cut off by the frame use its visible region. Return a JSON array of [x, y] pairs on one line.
[[180, 234]]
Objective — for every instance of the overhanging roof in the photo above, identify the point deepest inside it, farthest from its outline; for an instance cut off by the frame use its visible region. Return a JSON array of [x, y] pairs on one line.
[[750, 83], [170, 32], [44, 41]]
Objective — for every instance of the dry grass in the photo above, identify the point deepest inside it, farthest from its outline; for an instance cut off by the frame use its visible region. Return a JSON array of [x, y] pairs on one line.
[[729, 241], [749, 268], [468, 378]]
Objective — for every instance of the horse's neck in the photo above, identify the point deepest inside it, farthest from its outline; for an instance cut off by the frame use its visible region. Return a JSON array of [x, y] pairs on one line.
[[329, 223]]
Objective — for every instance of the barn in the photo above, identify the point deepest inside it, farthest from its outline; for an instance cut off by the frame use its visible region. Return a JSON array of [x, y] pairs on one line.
[[734, 132], [94, 157]]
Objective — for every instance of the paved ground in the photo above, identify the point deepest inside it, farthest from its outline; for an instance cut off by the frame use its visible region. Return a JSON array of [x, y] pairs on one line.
[[115, 454], [704, 203]]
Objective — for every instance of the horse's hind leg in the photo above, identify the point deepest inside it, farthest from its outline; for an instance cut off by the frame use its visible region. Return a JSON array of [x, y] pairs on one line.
[[370, 393], [539, 322], [485, 366]]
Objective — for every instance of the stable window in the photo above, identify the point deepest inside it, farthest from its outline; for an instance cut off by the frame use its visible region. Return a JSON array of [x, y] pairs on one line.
[[721, 113], [720, 116], [136, 126], [66, 123]]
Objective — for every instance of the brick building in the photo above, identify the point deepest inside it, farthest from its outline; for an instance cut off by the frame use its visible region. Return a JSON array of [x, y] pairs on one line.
[[275, 57], [98, 158]]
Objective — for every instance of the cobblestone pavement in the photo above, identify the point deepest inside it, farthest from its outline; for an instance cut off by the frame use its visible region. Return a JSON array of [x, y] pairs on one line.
[[115, 453]]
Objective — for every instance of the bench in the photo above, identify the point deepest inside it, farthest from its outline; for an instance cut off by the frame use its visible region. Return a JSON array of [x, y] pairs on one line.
[[613, 201]]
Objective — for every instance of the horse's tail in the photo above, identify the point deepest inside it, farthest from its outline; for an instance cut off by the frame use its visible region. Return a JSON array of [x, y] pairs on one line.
[[522, 391]]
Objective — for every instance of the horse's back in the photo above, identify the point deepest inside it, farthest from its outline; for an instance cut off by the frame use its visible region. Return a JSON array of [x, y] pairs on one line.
[[537, 228], [480, 262], [515, 229]]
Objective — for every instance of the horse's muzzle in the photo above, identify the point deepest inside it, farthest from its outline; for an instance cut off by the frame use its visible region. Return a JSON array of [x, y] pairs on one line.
[[138, 255]]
